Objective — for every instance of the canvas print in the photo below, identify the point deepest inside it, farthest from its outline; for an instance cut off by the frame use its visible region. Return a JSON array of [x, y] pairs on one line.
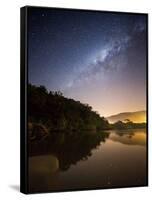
[[86, 99]]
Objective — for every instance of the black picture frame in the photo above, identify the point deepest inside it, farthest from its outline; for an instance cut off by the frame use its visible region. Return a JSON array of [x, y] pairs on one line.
[[24, 177]]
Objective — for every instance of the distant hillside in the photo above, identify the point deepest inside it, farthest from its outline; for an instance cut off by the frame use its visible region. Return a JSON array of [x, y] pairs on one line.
[[136, 117]]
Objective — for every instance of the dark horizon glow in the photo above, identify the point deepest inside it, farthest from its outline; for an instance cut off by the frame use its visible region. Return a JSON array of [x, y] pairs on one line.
[[98, 58]]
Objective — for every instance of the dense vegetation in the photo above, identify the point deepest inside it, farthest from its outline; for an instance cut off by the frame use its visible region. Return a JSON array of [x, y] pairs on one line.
[[55, 112], [127, 125], [51, 111]]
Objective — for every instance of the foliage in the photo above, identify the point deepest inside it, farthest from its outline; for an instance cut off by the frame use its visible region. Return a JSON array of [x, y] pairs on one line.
[[56, 112], [128, 125]]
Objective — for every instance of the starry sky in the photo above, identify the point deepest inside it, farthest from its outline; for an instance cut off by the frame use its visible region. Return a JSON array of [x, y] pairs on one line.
[[97, 58]]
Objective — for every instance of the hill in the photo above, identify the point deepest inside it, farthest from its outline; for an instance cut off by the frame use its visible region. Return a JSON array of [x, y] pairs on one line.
[[136, 117], [51, 111]]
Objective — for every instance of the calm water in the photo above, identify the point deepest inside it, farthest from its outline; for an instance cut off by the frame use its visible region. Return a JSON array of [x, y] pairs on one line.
[[117, 158]]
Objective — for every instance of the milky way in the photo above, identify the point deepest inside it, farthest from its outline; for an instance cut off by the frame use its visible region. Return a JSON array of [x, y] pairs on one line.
[[97, 58]]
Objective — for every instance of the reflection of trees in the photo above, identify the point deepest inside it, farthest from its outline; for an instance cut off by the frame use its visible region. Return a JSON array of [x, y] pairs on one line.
[[129, 138], [69, 148], [127, 132]]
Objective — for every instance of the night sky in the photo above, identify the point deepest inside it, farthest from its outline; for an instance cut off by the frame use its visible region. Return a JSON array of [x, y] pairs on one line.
[[94, 57]]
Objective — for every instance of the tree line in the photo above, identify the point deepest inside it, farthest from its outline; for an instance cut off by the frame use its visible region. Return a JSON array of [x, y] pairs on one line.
[[57, 112], [51, 111]]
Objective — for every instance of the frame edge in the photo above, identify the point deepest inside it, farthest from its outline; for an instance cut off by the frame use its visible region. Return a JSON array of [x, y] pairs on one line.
[[23, 130]]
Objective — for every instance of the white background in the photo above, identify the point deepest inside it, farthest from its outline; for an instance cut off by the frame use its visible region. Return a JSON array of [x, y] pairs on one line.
[[10, 98]]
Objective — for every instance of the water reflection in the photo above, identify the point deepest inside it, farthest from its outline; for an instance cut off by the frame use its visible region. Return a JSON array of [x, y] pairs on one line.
[[129, 137], [72, 160], [68, 147]]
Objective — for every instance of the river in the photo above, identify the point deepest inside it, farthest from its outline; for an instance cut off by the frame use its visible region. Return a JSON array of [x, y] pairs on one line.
[[118, 159]]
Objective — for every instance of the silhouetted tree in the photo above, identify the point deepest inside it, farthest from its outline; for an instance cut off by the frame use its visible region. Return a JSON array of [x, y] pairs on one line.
[[56, 112]]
